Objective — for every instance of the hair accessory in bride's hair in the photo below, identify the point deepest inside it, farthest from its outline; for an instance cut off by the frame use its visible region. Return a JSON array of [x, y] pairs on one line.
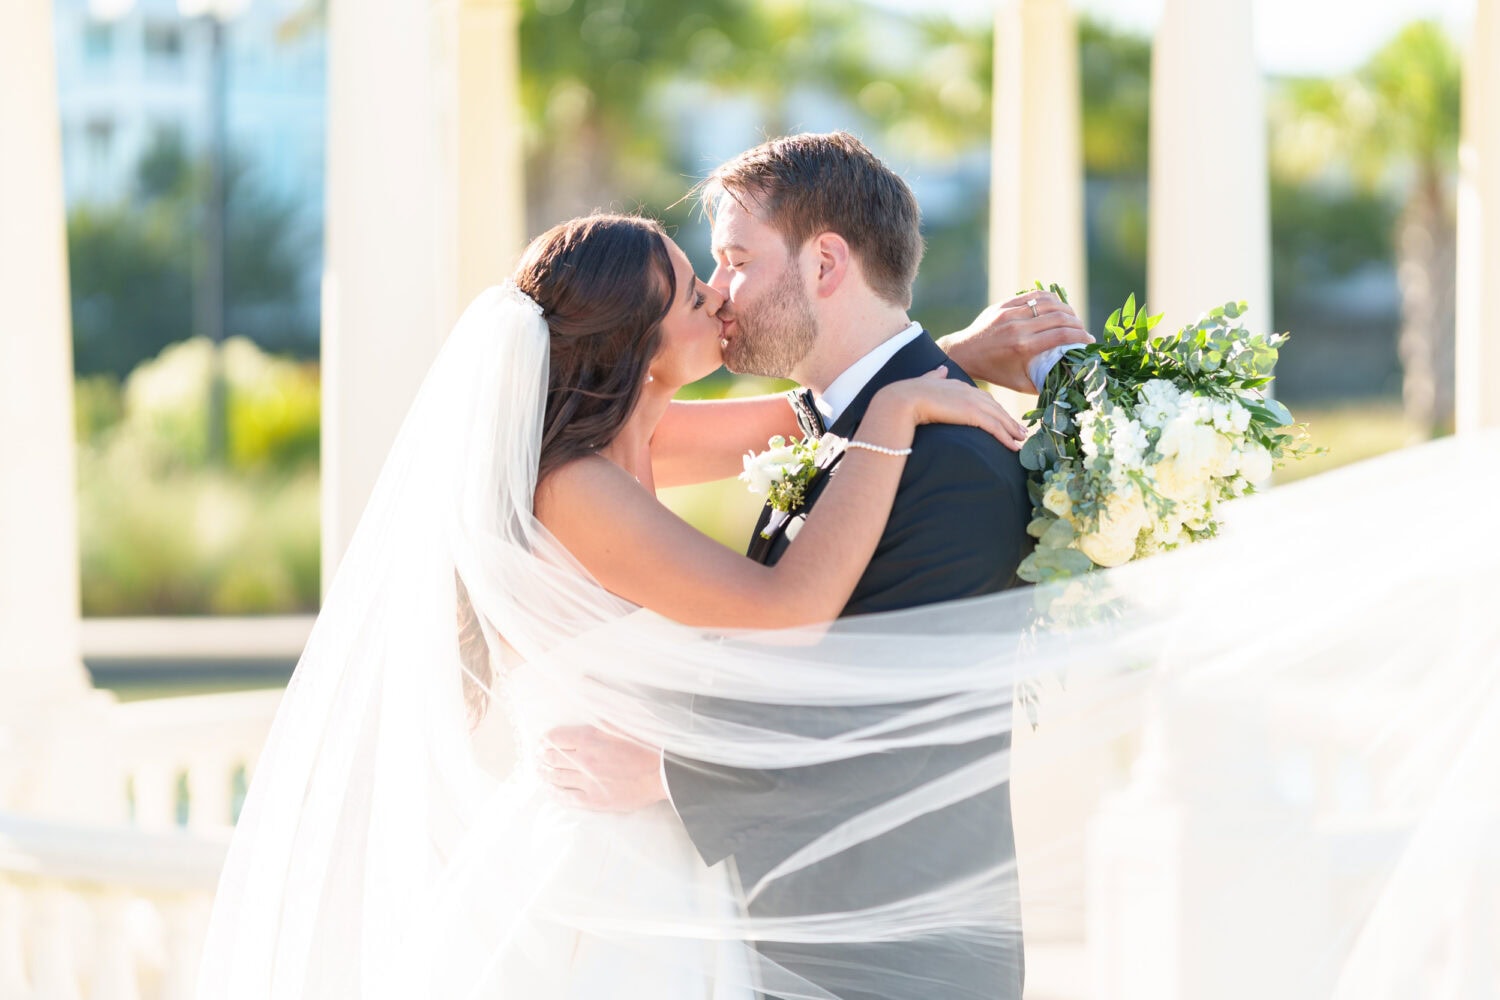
[[511, 289]]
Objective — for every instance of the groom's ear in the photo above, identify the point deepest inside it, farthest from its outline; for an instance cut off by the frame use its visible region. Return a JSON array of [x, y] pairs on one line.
[[831, 255]]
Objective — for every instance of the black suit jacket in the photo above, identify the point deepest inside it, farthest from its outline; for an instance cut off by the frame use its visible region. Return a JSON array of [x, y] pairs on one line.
[[957, 529]]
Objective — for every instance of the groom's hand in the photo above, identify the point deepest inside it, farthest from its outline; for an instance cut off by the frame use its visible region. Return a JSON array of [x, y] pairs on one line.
[[600, 771], [996, 347]]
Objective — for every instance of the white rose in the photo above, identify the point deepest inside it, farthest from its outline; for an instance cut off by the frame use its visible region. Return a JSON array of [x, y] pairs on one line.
[[1255, 463], [1177, 484], [1225, 462], [1194, 445], [1124, 517], [1128, 508], [1108, 546], [1055, 497]]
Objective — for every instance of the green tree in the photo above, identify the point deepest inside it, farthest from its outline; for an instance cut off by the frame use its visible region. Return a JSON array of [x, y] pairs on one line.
[[1393, 124], [1115, 67], [131, 265]]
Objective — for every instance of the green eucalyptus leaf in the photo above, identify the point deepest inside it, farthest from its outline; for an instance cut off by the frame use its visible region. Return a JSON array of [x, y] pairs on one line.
[[1033, 453], [1057, 535]]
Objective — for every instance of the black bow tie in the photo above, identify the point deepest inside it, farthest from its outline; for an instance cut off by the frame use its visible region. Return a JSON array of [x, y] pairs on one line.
[[809, 420]]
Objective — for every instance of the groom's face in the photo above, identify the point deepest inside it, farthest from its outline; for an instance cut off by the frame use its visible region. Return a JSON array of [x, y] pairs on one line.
[[769, 322]]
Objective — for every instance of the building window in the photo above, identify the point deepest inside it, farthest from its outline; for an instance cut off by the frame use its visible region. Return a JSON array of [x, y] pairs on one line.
[[163, 42], [98, 143], [98, 42]]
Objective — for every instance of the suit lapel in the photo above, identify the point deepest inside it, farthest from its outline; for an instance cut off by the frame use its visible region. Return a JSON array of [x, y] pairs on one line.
[[919, 357]]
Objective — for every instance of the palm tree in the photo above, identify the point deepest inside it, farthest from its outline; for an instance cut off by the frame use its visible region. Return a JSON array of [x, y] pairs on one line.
[[1394, 123]]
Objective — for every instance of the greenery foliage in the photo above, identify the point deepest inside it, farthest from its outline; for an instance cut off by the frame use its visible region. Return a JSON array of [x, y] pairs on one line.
[[162, 532], [132, 266]]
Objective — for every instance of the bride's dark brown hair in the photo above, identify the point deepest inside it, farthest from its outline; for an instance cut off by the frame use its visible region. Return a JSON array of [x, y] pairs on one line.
[[605, 283]]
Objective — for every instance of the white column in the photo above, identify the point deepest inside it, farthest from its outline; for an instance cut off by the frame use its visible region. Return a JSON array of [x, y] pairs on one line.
[[483, 212], [1036, 174], [424, 210], [1036, 159], [1478, 348], [1209, 227], [39, 658]]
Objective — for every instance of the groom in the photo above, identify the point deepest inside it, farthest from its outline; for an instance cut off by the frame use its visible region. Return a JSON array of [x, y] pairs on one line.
[[817, 245]]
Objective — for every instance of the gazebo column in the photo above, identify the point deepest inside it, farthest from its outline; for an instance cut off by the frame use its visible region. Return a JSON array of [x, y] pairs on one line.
[[1478, 347], [424, 211], [1036, 172], [39, 590], [1209, 224]]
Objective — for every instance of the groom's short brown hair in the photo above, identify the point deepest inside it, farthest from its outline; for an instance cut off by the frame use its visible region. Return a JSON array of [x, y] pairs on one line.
[[811, 183]]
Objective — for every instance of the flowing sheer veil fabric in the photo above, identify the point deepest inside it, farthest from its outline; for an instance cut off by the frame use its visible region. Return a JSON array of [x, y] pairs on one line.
[[1265, 765]]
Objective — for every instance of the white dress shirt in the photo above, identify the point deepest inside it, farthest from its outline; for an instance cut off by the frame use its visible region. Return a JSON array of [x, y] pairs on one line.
[[833, 401]]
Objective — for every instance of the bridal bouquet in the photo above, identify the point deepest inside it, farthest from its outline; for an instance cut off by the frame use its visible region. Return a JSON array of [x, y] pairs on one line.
[[1139, 437]]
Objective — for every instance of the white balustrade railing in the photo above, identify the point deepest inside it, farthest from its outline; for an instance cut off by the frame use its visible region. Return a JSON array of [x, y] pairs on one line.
[[102, 913], [187, 761], [116, 909]]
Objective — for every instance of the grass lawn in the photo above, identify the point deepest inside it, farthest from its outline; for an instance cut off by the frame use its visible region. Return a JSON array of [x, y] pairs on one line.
[[1351, 432]]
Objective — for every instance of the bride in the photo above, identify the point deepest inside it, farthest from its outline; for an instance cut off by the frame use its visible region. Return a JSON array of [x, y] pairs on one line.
[[518, 501]]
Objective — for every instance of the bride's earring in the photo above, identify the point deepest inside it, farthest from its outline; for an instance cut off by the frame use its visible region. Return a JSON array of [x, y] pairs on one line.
[[650, 378]]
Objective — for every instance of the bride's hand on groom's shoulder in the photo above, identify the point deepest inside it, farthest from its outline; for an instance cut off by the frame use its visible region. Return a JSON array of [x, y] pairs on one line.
[[900, 407], [996, 347], [596, 770]]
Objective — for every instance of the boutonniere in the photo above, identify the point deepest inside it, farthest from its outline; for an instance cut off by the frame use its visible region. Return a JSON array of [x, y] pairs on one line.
[[782, 472]]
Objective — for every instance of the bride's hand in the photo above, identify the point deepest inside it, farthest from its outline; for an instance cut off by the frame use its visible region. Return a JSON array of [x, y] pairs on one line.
[[936, 399]]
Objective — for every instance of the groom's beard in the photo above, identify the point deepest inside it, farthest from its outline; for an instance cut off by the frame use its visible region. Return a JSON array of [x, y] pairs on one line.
[[776, 334]]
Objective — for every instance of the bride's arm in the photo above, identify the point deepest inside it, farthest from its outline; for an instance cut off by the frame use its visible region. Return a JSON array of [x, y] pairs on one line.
[[697, 442], [703, 440], [638, 549]]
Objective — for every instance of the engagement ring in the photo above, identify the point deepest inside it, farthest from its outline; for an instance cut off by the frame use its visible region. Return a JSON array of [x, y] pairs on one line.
[[1032, 304]]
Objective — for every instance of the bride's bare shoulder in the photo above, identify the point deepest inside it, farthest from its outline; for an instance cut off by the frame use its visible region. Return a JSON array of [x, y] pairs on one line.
[[582, 487]]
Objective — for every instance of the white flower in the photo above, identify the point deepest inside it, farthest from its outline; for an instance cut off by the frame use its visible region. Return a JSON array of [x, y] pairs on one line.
[[1194, 445], [1109, 546], [1226, 462], [1159, 403], [1056, 498], [756, 476], [1086, 437], [1127, 508], [1160, 392], [1230, 417], [1255, 463], [830, 446], [767, 468], [1127, 440], [1123, 519], [1178, 484]]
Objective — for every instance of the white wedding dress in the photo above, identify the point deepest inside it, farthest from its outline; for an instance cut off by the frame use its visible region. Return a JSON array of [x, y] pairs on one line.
[[577, 872], [1264, 765]]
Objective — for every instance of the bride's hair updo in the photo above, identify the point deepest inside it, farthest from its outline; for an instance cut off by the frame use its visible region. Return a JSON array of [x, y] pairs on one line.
[[605, 283]]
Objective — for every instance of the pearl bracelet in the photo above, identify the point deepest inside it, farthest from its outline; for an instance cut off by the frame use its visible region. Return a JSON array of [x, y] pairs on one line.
[[879, 449]]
